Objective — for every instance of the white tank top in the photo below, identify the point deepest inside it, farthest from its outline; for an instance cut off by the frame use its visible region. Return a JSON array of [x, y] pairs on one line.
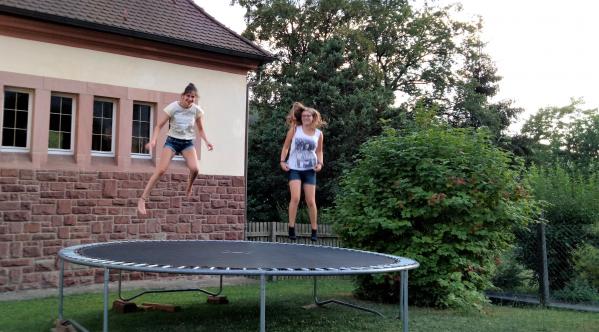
[[303, 150]]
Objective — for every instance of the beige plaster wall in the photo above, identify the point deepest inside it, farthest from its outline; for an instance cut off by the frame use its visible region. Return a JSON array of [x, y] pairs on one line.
[[222, 94]]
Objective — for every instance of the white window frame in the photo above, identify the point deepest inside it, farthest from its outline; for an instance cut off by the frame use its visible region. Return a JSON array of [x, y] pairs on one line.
[[112, 143], [27, 147], [73, 125], [152, 109]]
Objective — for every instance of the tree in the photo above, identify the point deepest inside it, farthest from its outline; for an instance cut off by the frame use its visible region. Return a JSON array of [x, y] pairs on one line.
[[349, 59], [476, 84], [565, 134]]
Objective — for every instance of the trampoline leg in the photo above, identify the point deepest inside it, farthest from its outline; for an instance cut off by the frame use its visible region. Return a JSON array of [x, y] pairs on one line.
[[61, 290], [403, 300], [120, 282], [262, 303], [105, 322]]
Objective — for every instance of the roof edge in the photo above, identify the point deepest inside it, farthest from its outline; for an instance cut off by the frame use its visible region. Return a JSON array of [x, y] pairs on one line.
[[131, 33], [247, 41]]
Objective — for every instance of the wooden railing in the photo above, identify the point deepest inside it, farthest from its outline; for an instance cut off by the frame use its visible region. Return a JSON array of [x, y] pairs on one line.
[[277, 232]]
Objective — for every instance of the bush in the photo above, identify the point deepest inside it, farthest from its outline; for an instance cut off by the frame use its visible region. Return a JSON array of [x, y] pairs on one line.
[[511, 276], [577, 290], [571, 209], [445, 197], [586, 264]]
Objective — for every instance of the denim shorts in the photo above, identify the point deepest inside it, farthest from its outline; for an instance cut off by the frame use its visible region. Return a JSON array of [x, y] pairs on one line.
[[178, 145], [307, 177]]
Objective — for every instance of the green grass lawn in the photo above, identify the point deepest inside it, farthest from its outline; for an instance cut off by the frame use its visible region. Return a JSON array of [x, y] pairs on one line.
[[284, 312]]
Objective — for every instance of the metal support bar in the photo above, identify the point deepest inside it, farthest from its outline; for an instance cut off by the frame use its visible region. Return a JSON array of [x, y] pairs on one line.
[[262, 303], [403, 300], [61, 318], [61, 290], [351, 305], [168, 290], [106, 278], [78, 326]]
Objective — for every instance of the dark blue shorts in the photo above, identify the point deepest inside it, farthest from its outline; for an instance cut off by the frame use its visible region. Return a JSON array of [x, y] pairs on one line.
[[307, 176], [178, 145]]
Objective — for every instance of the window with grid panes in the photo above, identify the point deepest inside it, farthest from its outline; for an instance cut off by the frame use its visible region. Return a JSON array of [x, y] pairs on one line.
[[60, 137], [102, 128], [141, 130], [15, 120]]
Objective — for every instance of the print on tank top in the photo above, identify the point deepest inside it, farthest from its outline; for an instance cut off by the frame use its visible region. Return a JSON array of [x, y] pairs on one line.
[[305, 152]]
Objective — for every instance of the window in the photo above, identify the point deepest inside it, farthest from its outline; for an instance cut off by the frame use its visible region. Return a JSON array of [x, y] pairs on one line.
[[102, 128], [16, 120], [142, 130], [62, 120]]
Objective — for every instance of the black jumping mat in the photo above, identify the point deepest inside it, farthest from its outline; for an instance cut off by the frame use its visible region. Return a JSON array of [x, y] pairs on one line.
[[234, 255]]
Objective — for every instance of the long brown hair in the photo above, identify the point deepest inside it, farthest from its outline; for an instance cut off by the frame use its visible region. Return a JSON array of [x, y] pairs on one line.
[[294, 117]]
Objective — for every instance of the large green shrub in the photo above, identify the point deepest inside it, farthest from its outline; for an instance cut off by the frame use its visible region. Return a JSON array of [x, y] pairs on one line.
[[445, 197]]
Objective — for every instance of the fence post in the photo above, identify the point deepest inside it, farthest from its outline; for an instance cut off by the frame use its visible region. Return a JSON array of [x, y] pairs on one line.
[[544, 269], [273, 231]]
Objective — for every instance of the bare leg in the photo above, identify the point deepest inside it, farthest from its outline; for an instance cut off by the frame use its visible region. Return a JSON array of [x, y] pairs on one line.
[[191, 159], [295, 187], [310, 196], [165, 160]]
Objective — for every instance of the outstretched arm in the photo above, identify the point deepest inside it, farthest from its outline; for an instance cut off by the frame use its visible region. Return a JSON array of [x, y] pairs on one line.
[[202, 132]]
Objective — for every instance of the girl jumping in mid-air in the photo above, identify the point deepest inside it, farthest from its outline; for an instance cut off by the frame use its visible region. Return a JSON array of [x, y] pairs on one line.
[[183, 115], [301, 158]]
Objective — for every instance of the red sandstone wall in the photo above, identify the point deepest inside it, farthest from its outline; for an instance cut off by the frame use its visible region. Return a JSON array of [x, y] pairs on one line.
[[43, 211]]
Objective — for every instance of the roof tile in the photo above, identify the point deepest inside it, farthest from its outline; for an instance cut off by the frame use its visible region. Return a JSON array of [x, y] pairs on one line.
[[181, 21]]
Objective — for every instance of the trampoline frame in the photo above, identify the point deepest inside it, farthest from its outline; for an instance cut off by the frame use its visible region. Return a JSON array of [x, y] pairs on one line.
[[70, 254]]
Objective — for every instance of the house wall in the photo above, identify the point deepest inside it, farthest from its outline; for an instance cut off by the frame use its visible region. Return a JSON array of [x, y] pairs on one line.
[[42, 211], [50, 201], [58, 68]]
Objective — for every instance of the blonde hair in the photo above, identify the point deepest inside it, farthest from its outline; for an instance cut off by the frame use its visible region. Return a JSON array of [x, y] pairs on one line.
[[294, 117]]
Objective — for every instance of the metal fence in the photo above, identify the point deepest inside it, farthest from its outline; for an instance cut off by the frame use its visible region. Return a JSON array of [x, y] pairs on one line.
[[552, 265]]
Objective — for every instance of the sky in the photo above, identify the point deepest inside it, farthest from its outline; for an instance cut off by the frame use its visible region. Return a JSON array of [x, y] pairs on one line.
[[545, 50]]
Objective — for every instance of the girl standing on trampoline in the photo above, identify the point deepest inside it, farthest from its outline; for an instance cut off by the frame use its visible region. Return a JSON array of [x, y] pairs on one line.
[[301, 158], [183, 115]]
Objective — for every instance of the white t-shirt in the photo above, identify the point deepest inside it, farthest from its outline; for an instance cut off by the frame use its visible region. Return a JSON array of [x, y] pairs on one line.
[[303, 150], [182, 120]]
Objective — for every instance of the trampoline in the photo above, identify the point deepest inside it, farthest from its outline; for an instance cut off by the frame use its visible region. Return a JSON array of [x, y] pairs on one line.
[[240, 258]]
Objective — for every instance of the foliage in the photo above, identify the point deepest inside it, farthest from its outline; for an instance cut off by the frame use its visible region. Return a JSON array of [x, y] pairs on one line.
[[577, 290], [445, 197], [510, 275], [586, 264], [351, 59], [572, 209], [476, 85], [568, 135]]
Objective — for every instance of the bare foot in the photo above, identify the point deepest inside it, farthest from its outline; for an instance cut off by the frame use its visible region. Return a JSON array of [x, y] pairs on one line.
[[141, 206], [189, 191]]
